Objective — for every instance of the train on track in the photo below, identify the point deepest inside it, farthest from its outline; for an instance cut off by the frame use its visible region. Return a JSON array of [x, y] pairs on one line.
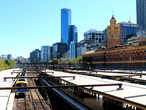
[[22, 82], [119, 57]]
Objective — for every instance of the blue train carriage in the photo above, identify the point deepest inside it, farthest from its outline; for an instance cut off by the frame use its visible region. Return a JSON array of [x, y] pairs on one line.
[[21, 92]]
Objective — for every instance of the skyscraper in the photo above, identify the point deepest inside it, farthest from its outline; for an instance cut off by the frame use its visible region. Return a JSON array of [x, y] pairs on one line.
[[45, 53], [58, 50], [141, 13], [65, 22], [73, 34], [35, 56], [73, 38]]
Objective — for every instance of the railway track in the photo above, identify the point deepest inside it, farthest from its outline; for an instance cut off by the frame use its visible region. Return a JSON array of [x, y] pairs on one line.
[[37, 100], [32, 100]]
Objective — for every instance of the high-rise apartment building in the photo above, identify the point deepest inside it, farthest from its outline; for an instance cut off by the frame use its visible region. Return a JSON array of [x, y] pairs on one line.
[[65, 22], [141, 13]]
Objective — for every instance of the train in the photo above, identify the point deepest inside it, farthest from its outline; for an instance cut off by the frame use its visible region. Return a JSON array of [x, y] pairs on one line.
[[21, 82], [118, 57]]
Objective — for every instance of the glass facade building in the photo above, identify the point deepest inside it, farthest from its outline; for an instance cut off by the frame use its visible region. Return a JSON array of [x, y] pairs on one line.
[[141, 13], [35, 56], [58, 50], [73, 39], [81, 48], [127, 30], [73, 49], [65, 22], [73, 34], [45, 53]]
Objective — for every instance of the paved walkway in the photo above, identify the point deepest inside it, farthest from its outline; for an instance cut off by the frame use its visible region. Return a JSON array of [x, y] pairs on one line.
[[6, 98]]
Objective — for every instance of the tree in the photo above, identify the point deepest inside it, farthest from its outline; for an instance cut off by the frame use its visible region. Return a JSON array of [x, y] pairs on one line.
[[7, 64], [3, 65], [10, 63], [77, 60]]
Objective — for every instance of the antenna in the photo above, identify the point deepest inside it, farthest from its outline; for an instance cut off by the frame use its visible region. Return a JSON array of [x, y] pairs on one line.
[[112, 13], [129, 19]]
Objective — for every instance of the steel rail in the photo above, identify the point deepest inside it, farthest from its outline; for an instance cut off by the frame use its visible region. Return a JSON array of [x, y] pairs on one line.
[[33, 102], [44, 108]]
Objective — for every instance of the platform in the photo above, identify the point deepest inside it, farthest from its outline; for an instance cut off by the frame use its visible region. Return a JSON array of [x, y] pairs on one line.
[[133, 94]]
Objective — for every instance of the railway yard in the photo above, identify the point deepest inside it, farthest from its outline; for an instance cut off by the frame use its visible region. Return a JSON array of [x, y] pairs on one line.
[[32, 100], [73, 89]]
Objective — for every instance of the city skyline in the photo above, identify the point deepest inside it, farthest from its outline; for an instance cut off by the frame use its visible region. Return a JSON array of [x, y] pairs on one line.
[[28, 25]]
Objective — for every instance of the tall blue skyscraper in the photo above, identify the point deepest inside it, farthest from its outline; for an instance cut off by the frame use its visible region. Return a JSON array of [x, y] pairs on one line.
[[141, 13], [73, 38], [73, 34], [65, 22]]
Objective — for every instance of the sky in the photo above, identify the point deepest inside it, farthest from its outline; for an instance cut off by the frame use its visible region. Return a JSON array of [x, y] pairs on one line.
[[26, 25]]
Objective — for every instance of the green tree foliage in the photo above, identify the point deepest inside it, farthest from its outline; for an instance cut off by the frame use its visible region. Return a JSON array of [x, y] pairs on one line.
[[10, 63], [7, 64], [76, 60], [54, 61]]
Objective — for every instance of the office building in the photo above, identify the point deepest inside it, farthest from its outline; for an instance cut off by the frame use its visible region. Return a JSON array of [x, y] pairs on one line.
[[127, 30], [141, 13], [73, 39], [59, 49], [73, 49], [82, 48], [19, 59], [46, 53], [6, 57], [65, 22], [35, 56], [94, 39], [73, 34]]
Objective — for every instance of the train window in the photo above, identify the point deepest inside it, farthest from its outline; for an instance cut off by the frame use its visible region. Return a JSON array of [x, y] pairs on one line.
[[21, 79], [21, 85]]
